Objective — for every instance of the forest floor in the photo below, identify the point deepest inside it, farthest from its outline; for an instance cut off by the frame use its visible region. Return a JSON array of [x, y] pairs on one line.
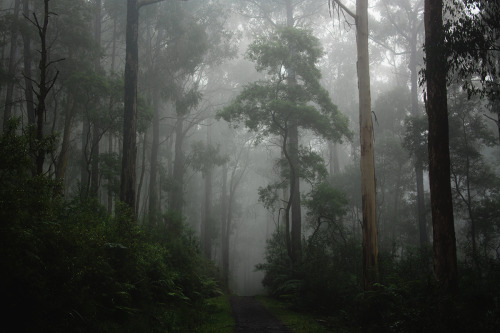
[[251, 316]]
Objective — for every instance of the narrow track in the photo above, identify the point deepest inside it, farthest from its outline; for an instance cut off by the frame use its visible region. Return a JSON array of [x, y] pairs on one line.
[[251, 316]]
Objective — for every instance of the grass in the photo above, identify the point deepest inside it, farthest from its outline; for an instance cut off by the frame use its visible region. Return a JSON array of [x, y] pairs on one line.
[[218, 318], [299, 322]]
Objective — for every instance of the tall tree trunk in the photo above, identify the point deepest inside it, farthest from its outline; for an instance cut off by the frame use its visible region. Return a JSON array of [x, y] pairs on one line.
[[224, 229], [28, 84], [129, 151], [176, 200], [206, 223], [444, 243], [43, 89], [368, 191], [96, 132], [334, 158], [143, 171], [155, 146], [12, 65], [293, 133], [62, 159]]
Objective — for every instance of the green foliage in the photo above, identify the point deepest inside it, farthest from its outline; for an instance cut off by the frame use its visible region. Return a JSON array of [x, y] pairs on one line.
[[69, 266]]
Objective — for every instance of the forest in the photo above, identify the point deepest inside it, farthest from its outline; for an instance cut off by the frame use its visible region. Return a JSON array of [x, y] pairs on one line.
[[338, 157]]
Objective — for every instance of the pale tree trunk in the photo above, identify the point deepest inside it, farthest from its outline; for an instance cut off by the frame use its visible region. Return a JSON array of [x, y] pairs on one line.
[[367, 162], [444, 243], [368, 191], [224, 229]]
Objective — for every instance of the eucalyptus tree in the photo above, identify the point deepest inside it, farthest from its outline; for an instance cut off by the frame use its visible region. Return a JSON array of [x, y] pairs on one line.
[[444, 241], [272, 107], [368, 188]]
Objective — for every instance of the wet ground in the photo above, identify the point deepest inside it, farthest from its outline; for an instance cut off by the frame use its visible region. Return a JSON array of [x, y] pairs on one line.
[[251, 316]]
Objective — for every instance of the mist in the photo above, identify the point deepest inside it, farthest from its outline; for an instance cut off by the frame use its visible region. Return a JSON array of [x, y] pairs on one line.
[[307, 150]]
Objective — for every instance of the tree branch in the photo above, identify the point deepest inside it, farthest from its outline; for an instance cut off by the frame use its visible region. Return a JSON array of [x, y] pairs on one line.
[[345, 9]]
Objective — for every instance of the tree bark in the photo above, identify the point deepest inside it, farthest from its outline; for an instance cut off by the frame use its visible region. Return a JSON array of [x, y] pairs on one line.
[[368, 190], [12, 65], [444, 243], [129, 151], [155, 146], [96, 135], [28, 84]]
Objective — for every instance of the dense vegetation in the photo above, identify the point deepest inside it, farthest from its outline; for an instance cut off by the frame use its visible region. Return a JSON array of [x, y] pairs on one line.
[[68, 266], [157, 155]]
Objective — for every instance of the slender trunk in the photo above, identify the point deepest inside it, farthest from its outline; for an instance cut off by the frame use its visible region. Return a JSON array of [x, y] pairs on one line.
[[368, 190], [84, 166], [444, 243], [155, 145], [334, 158], [143, 171], [96, 131], [62, 159], [127, 184], [12, 65], [43, 89], [206, 223], [293, 132], [176, 196], [28, 84], [224, 229]]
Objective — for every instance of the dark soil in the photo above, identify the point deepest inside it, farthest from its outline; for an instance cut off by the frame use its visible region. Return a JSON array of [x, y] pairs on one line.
[[251, 316]]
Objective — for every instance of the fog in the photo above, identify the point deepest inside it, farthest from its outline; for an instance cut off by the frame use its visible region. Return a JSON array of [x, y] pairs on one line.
[[199, 151]]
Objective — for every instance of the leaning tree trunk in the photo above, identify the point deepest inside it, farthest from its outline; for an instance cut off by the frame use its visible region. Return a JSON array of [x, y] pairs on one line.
[[444, 243], [370, 240]]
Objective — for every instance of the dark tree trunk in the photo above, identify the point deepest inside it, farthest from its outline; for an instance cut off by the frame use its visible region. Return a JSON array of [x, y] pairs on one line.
[[444, 243], [155, 145], [129, 151], [28, 84], [96, 131], [12, 65], [43, 89]]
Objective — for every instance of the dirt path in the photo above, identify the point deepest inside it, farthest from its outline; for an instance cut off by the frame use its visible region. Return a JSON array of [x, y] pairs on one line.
[[251, 316]]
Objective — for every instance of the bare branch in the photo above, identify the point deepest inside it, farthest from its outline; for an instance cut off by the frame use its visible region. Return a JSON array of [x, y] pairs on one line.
[[345, 9]]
